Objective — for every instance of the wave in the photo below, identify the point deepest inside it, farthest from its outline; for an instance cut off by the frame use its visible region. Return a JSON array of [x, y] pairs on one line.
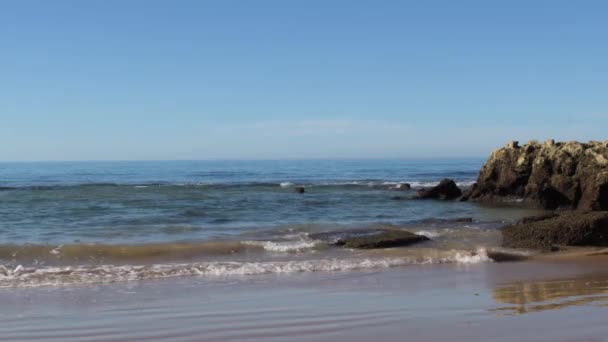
[[428, 233], [464, 183], [76, 253], [284, 246], [286, 238], [20, 276], [127, 253]]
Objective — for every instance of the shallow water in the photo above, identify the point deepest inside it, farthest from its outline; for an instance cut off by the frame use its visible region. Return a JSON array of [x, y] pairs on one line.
[[171, 201], [227, 251], [90, 222]]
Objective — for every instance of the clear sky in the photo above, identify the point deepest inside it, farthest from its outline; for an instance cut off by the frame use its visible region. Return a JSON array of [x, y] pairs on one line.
[[127, 79]]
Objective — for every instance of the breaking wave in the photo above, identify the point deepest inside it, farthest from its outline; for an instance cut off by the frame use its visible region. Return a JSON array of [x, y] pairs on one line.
[[20, 276], [428, 233], [284, 246]]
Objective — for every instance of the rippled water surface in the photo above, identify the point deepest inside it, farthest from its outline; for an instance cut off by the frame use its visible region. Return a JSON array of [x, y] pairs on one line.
[[87, 222]]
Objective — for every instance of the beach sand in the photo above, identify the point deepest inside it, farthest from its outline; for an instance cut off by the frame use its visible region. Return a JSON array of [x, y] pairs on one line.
[[545, 299]]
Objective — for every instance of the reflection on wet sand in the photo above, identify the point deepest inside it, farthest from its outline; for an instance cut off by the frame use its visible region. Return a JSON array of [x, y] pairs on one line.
[[535, 296]]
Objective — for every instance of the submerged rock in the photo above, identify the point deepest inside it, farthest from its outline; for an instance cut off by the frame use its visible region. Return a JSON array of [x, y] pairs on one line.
[[567, 229], [446, 189], [498, 255], [551, 175], [403, 186], [384, 239], [300, 189], [371, 238]]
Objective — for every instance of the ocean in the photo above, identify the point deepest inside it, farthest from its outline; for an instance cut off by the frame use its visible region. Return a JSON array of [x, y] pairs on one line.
[[230, 251], [88, 222]]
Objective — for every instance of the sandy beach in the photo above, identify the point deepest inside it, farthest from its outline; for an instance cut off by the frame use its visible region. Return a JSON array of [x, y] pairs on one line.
[[547, 299]]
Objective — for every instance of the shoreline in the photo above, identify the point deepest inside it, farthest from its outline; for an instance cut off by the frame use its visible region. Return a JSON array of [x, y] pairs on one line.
[[262, 263], [565, 298]]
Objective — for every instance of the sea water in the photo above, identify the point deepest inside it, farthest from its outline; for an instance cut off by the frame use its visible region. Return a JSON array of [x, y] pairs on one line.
[[70, 222]]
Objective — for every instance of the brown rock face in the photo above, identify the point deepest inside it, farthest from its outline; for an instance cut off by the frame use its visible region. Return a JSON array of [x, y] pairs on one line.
[[568, 229], [551, 175]]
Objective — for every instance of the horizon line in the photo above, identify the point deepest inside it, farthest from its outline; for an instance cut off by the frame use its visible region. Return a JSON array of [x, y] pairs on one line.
[[234, 159]]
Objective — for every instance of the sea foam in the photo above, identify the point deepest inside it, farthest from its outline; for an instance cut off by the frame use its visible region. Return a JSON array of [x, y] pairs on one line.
[[20, 276], [284, 246]]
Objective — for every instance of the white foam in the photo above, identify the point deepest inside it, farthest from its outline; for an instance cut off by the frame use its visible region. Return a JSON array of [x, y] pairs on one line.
[[416, 184], [472, 258], [428, 233], [284, 246], [389, 184], [395, 185], [286, 184], [45, 276], [56, 250], [345, 183]]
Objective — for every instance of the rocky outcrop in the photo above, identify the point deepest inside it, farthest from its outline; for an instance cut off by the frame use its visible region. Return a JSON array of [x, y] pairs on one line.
[[570, 228], [550, 175], [370, 238], [446, 189]]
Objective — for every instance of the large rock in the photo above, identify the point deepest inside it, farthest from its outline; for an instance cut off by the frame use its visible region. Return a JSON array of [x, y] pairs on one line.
[[370, 238], [570, 228], [551, 175], [446, 189]]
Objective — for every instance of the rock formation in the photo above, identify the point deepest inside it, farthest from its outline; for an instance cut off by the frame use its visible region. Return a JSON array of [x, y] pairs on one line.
[[570, 228], [370, 238], [446, 189], [551, 175]]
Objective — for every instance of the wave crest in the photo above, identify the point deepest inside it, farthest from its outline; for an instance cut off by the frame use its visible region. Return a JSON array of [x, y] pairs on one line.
[[284, 246], [45, 276]]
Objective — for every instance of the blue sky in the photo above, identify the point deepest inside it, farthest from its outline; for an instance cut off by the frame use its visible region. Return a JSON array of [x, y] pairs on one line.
[[95, 80]]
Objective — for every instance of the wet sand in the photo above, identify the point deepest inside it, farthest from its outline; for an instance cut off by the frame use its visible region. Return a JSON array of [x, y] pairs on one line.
[[546, 299]]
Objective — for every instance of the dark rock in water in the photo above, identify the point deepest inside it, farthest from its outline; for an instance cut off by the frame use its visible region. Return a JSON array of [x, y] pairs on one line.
[[569, 175], [384, 239], [566, 229], [446, 220], [371, 238], [403, 186], [446, 189], [300, 189], [506, 256]]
